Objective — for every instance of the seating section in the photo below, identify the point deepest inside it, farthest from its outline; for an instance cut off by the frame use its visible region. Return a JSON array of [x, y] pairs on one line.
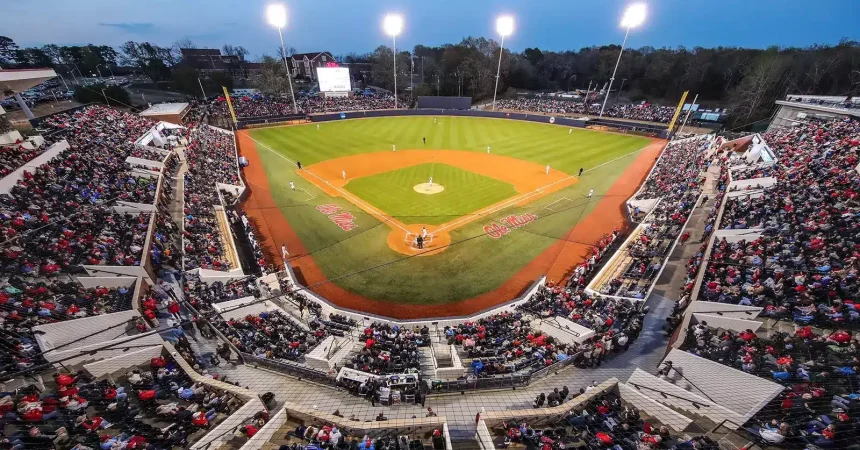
[[800, 268], [677, 182], [604, 422], [390, 350], [268, 105], [271, 335], [157, 405], [14, 156], [646, 112], [26, 303], [211, 156]]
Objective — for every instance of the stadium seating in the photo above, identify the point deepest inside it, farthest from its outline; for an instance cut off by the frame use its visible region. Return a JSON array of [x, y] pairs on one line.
[[267, 105], [646, 112]]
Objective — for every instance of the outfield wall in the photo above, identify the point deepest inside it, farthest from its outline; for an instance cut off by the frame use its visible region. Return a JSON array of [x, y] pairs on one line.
[[540, 118]]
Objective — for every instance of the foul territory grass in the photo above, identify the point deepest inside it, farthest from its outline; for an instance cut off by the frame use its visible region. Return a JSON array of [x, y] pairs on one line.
[[465, 192], [361, 261]]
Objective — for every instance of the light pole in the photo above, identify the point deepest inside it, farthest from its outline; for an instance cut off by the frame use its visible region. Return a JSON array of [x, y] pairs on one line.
[[63, 80], [621, 87], [201, 88], [633, 17], [504, 26], [99, 71], [276, 14], [393, 25]]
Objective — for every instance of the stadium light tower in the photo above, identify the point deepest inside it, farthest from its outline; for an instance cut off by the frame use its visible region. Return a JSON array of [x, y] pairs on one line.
[[393, 25], [504, 26], [634, 15], [276, 14]]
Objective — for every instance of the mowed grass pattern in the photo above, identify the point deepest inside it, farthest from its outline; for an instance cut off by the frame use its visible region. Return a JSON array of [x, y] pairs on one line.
[[545, 144], [465, 192]]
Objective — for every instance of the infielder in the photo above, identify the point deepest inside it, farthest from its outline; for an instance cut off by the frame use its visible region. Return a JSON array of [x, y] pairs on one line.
[[343, 174], [393, 148], [424, 232], [488, 149], [547, 169], [431, 181], [590, 192], [292, 186]]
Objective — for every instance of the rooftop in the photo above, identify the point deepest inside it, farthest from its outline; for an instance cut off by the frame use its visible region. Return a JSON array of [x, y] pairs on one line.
[[162, 109]]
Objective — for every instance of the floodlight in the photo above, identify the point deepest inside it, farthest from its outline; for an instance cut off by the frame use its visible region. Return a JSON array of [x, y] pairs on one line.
[[276, 14], [393, 24], [634, 15], [505, 25]]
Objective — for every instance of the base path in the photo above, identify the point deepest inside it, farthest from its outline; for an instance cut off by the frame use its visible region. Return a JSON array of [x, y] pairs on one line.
[[274, 230], [529, 179]]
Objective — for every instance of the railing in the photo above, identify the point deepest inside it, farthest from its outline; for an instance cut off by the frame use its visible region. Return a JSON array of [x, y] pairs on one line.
[[300, 371], [499, 381]]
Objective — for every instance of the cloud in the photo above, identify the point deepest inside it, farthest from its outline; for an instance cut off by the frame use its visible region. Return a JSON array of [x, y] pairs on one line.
[[131, 27]]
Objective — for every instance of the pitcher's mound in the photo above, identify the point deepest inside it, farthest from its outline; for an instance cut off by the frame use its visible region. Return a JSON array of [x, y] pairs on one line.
[[429, 189]]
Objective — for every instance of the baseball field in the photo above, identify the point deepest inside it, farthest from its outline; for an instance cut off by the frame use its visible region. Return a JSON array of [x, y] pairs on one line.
[[497, 203]]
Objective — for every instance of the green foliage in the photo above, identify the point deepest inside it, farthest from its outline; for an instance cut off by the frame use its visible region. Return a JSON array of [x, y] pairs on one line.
[[117, 96]]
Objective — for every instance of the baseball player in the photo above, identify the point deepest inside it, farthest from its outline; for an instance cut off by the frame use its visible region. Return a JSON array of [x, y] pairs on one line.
[[393, 148], [547, 169], [318, 126], [580, 171], [284, 253], [292, 186], [343, 174], [434, 120], [590, 192], [424, 232], [431, 181], [488, 149], [570, 130]]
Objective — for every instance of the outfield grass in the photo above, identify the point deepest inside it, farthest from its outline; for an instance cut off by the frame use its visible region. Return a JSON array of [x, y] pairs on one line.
[[465, 192], [529, 141], [361, 261]]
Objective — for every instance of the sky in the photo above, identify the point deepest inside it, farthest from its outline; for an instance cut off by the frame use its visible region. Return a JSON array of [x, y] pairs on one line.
[[344, 26]]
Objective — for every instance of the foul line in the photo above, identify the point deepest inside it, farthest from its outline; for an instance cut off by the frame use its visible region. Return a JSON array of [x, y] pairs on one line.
[[341, 191], [553, 203], [310, 196]]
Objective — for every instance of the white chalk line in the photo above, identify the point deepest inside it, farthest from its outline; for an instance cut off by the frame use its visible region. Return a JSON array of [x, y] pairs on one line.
[[342, 192], [310, 196]]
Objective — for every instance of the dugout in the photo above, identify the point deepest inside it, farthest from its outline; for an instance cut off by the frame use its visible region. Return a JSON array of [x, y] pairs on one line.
[[443, 102]]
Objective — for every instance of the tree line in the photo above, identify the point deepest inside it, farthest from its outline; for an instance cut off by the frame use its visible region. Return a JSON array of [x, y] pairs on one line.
[[745, 80]]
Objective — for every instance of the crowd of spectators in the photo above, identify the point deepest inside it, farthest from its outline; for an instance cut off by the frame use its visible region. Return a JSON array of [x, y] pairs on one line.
[[676, 181], [13, 156], [603, 422], [818, 369], [211, 158], [271, 335], [25, 303], [59, 216], [390, 349], [803, 265], [262, 105], [153, 407], [645, 112]]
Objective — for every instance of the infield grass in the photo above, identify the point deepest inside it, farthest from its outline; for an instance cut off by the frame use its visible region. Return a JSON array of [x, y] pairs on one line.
[[465, 192], [361, 261]]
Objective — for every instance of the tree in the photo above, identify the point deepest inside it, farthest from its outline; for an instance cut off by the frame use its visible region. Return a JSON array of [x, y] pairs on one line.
[[7, 49], [272, 78], [53, 52], [185, 78], [93, 94]]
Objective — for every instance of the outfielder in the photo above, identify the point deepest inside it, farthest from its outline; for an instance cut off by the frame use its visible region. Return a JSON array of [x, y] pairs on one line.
[[569, 131], [318, 126]]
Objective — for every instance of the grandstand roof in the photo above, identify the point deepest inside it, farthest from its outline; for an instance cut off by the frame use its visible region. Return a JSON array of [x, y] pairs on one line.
[[19, 80], [164, 108]]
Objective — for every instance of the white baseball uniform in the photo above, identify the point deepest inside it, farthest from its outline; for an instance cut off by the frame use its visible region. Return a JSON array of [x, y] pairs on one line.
[[343, 174], [590, 192], [292, 186], [547, 169]]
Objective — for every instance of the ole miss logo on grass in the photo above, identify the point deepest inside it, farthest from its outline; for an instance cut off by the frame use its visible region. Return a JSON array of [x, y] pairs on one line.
[[497, 230], [345, 220]]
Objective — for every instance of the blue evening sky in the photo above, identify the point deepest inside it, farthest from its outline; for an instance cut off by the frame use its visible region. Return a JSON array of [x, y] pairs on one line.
[[343, 26]]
